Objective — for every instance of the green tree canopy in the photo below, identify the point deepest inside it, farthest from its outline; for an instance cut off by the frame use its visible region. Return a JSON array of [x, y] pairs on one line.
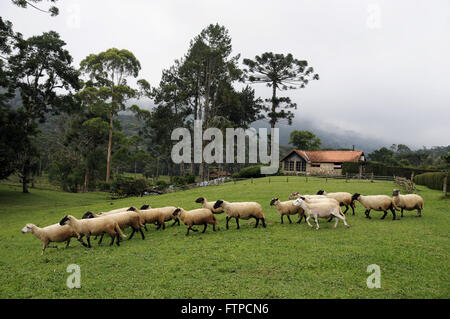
[[304, 140]]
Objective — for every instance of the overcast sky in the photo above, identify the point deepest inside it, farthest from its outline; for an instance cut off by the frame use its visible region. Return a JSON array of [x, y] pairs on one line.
[[384, 65]]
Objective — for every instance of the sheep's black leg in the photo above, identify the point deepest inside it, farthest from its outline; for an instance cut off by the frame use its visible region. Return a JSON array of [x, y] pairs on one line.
[[282, 219], [82, 241], [290, 221], [419, 212], [393, 213], [89, 242], [330, 219], [204, 228], [193, 229], [118, 239], [188, 231], [145, 227], [132, 233], [174, 222], [353, 209], [142, 233], [237, 222], [346, 209], [263, 222], [300, 219], [68, 242], [367, 212], [257, 222], [164, 225], [402, 212], [228, 219], [214, 227], [159, 226], [101, 238], [384, 215], [112, 239]]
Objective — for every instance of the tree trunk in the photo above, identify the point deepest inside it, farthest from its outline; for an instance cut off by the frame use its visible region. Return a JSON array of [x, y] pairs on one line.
[[170, 171], [25, 173], [86, 180], [108, 159], [274, 105]]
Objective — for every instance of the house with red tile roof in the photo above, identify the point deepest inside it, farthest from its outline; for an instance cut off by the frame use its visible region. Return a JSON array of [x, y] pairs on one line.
[[318, 162]]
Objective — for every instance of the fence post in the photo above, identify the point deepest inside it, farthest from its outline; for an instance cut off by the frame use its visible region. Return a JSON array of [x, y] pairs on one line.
[[307, 178], [444, 188], [287, 179], [252, 180], [326, 179], [371, 177], [412, 176], [346, 177], [269, 180]]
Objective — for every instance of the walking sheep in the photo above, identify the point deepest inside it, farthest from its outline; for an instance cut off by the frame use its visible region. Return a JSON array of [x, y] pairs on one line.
[[408, 202], [53, 233], [321, 209], [244, 210], [93, 226], [344, 199], [376, 202], [287, 208], [167, 212], [124, 219], [200, 216], [209, 205]]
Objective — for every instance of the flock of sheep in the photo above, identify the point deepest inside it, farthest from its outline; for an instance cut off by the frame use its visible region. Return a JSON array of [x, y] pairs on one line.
[[321, 205]]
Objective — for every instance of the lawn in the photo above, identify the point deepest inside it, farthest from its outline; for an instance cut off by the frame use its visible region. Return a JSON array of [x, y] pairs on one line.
[[280, 261]]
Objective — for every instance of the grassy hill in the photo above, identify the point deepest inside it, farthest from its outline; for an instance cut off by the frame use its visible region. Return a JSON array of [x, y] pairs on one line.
[[280, 261]]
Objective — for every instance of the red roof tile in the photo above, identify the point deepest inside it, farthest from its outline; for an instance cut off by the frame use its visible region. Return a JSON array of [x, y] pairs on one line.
[[328, 156]]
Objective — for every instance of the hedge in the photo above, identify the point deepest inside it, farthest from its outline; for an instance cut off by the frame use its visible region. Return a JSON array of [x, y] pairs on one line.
[[432, 180], [381, 169], [250, 171]]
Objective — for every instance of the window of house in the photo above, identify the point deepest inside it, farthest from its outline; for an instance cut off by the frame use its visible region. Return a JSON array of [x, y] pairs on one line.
[[315, 165], [291, 165], [300, 166], [337, 165]]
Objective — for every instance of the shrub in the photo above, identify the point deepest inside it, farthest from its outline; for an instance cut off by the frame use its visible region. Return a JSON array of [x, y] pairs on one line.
[[190, 178], [432, 180], [161, 185], [250, 171], [179, 180], [126, 186]]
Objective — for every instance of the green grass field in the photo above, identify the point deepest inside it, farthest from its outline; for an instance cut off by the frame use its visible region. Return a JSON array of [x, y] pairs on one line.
[[280, 261]]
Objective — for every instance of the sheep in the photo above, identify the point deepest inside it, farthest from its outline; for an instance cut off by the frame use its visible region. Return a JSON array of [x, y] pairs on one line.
[[125, 219], [53, 233], [344, 199], [209, 205], [244, 210], [295, 195], [287, 208], [154, 216], [323, 209], [376, 202], [200, 216], [167, 212], [94, 226], [408, 202]]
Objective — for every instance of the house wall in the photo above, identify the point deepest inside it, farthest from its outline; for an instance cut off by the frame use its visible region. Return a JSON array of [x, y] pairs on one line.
[[294, 157], [324, 169]]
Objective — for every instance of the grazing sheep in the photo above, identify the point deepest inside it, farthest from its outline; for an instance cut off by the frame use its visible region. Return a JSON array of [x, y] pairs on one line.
[[125, 219], [408, 202], [167, 212], [244, 210], [344, 199], [209, 205], [320, 209], [93, 226], [53, 233], [376, 202], [200, 216], [287, 208]]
